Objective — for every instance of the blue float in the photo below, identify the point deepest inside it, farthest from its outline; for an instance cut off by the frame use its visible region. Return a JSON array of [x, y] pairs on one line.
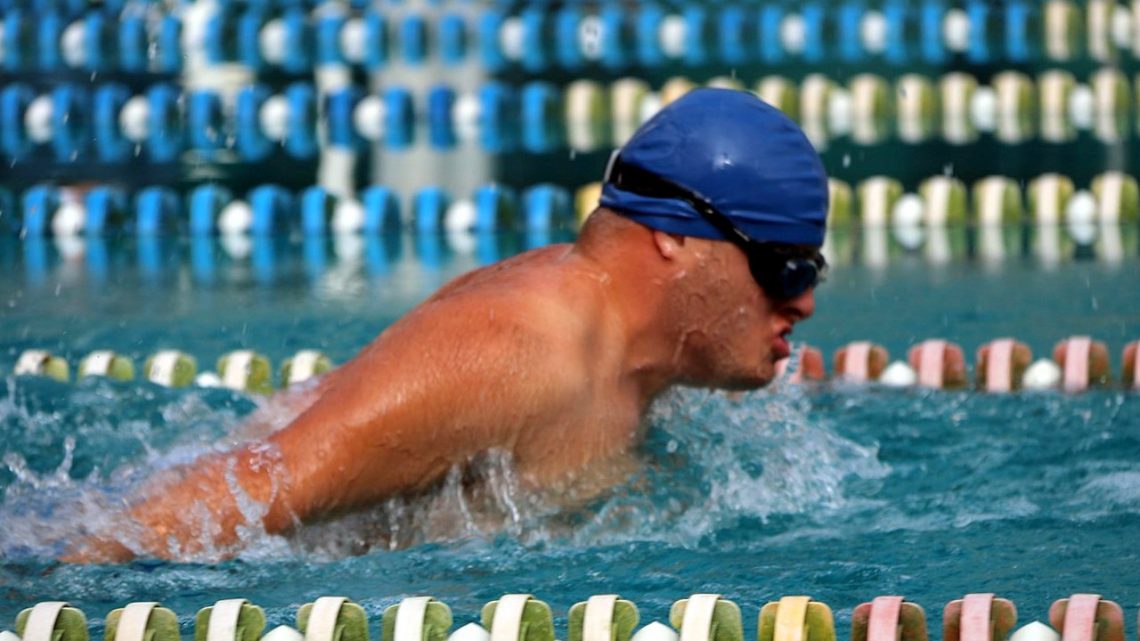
[[700, 33], [317, 207], [340, 106], [38, 204], [931, 15], [110, 143], [134, 46], [399, 118], [376, 40], [205, 204], [301, 132], [495, 209], [19, 41], [381, 210], [207, 123], [223, 36], [1022, 26], [542, 109], [770, 20], [101, 42], [538, 35], [414, 39], [328, 47], [902, 36], [14, 102], [567, 46], [298, 33], [49, 32], [452, 38], [546, 207], [248, 48], [168, 45], [819, 31], [737, 34], [71, 124], [499, 105], [430, 209], [490, 47], [984, 31], [106, 210], [251, 142], [156, 212], [441, 121], [167, 133], [848, 34], [649, 19], [618, 41], [272, 208]]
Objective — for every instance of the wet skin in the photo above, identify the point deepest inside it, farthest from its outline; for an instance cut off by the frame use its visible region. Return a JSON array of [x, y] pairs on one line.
[[552, 356]]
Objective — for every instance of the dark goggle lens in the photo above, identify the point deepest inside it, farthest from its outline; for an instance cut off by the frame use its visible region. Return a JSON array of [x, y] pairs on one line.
[[787, 278]]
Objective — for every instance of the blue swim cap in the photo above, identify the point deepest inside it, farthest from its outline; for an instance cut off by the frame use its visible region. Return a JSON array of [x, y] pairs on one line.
[[745, 157]]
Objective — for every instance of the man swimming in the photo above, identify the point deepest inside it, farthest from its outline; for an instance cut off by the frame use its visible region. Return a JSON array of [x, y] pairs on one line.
[[702, 256]]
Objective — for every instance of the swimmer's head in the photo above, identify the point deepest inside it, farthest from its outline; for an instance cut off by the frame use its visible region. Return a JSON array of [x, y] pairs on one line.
[[723, 165], [737, 185]]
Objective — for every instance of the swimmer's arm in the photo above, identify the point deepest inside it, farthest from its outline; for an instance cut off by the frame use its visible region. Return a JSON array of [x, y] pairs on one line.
[[390, 421]]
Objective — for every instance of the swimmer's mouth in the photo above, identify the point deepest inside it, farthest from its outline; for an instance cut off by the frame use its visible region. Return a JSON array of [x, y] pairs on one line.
[[780, 348]]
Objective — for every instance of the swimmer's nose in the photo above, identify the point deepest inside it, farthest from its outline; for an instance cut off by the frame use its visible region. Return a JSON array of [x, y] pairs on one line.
[[799, 308]]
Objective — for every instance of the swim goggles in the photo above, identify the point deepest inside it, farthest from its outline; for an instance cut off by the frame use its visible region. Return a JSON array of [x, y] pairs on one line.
[[783, 271]]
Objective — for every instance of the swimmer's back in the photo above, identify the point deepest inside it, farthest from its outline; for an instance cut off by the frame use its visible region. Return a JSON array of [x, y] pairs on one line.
[[502, 357]]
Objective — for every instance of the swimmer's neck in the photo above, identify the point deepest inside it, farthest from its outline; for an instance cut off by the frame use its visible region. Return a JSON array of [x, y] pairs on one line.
[[633, 286]]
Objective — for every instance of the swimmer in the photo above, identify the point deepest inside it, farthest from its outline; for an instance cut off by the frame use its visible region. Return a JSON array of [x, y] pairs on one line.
[[701, 257]]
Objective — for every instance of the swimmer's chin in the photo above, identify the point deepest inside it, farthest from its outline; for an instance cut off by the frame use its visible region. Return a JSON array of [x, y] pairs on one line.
[[748, 382]]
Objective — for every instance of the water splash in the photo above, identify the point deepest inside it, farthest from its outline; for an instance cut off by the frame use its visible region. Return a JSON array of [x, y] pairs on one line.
[[710, 461]]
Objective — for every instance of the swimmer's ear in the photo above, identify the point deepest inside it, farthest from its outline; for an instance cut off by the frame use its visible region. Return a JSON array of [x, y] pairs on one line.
[[668, 244]]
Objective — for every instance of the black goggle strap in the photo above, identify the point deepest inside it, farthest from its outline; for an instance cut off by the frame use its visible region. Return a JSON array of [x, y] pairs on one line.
[[636, 180]]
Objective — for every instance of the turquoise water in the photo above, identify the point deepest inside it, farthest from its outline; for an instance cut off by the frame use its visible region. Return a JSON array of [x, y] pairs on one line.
[[840, 492]]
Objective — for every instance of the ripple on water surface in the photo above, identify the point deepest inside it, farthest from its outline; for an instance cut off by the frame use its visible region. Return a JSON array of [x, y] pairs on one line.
[[842, 493]]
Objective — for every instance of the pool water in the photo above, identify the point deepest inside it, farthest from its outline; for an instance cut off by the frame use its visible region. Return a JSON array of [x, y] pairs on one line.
[[841, 492]]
